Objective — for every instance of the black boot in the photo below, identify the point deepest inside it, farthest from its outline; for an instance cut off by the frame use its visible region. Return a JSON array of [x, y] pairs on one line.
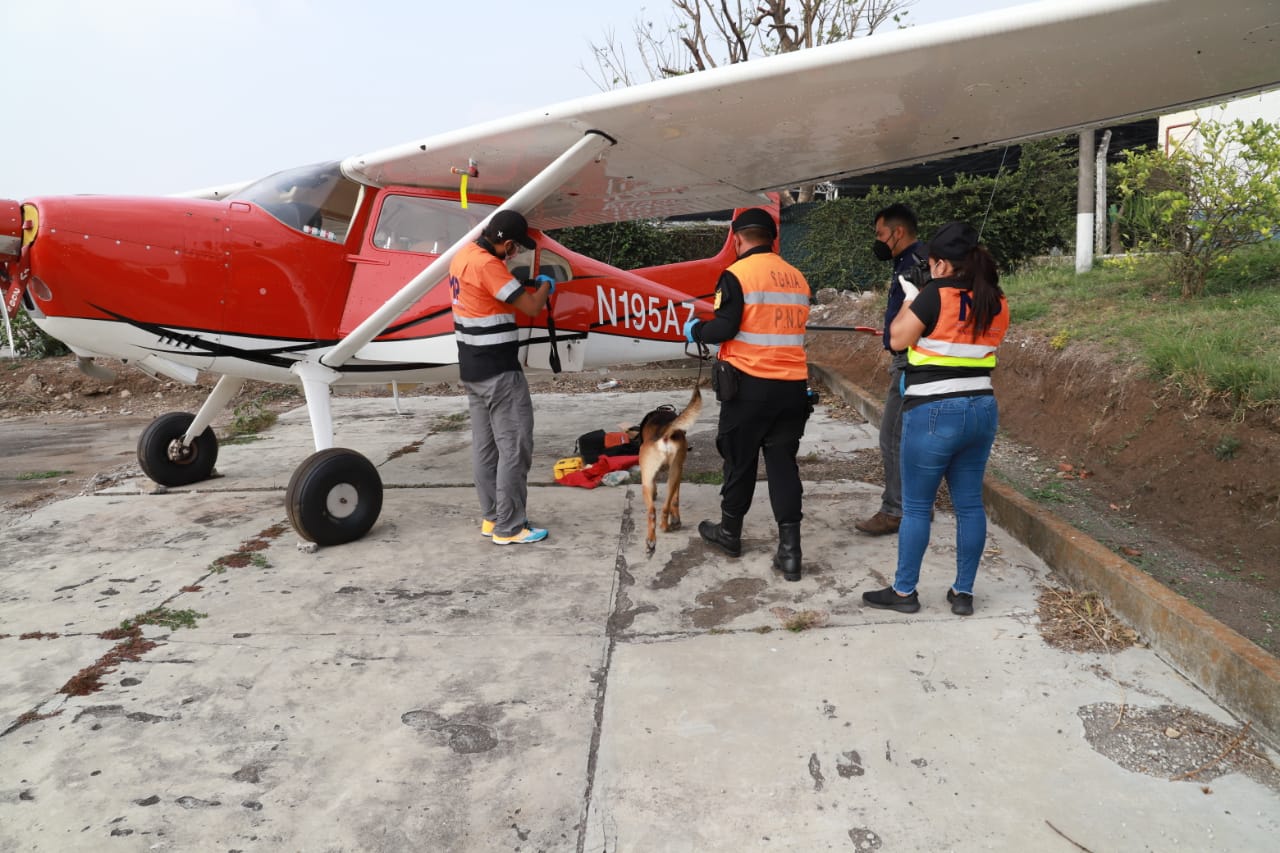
[[787, 560], [727, 535]]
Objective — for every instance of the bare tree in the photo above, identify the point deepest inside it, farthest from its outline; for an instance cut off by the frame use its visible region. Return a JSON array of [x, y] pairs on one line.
[[704, 34]]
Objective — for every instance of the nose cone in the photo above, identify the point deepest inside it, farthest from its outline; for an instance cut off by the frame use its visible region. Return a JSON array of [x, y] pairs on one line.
[[10, 230]]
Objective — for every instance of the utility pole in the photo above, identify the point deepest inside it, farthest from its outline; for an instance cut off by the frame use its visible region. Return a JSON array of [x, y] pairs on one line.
[[1100, 196], [1084, 204]]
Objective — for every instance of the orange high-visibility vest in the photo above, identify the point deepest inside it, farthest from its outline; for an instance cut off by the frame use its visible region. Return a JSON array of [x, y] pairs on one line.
[[484, 322], [770, 339], [951, 344]]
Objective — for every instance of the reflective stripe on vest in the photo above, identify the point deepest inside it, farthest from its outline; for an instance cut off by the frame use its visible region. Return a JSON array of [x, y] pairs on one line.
[[770, 339], [949, 386], [486, 331]]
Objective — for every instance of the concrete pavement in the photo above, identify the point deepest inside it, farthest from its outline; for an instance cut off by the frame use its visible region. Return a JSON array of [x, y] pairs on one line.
[[424, 690]]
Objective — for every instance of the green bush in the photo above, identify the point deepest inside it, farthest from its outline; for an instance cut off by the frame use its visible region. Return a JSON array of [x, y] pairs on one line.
[[32, 342], [643, 243], [1205, 199]]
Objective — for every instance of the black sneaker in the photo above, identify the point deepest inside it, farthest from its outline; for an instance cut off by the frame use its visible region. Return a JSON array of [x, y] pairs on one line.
[[961, 602], [887, 599]]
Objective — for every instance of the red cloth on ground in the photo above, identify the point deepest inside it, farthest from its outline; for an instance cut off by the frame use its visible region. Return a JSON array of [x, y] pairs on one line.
[[590, 476]]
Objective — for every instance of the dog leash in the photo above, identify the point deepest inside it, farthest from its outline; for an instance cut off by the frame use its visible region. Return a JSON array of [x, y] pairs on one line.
[[702, 354]]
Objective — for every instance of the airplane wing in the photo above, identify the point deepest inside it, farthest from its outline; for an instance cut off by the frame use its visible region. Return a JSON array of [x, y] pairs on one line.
[[720, 138]]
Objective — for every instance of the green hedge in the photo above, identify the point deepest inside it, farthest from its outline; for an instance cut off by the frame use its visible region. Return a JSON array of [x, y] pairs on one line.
[[631, 245]]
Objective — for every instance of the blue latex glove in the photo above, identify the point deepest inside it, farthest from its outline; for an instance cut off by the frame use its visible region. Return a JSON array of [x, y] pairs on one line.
[[689, 326], [546, 279]]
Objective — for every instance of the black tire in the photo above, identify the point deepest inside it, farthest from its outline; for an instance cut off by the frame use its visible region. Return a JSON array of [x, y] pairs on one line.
[[162, 457], [334, 497]]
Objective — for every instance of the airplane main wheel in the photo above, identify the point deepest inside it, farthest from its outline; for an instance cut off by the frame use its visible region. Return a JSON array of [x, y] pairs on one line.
[[334, 497], [165, 460]]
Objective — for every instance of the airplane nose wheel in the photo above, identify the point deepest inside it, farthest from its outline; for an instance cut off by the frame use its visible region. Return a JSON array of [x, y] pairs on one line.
[[164, 458], [334, 497]]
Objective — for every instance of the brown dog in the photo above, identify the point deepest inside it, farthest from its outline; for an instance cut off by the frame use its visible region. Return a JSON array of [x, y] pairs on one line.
[[663, 443]]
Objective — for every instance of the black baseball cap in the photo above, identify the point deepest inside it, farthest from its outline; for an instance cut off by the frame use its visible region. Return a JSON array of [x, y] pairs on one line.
[[953, 242], [755, 217], [509, 225]]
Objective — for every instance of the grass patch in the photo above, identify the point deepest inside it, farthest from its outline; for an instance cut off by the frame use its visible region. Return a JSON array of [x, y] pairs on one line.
[[1223, 345], [1226, 448], [799, 620], [1052, 492], [42, 475], [451, 422], [710, 478], [251, 417], [164, 617]]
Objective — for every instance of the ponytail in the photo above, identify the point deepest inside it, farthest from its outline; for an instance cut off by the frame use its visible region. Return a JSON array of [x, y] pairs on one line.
[[978, 271]]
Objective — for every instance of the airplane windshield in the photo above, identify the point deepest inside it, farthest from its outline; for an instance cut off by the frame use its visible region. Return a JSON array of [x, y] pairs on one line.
[[315, 200]]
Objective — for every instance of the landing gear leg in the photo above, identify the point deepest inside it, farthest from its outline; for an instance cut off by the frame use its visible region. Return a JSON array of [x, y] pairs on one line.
[[335, 495]]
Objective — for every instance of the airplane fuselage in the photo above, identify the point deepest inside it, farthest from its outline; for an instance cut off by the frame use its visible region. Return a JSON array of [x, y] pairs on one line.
[[252, 284]]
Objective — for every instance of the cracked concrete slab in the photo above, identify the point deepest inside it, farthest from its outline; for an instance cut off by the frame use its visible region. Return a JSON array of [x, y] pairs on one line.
[[424, 690]]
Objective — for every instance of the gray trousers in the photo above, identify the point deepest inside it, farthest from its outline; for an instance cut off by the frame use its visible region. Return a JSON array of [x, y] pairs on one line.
[[891, 440], [502, 448]]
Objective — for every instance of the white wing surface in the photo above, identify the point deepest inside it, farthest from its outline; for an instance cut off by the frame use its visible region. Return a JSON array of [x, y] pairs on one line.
[[718, 139]]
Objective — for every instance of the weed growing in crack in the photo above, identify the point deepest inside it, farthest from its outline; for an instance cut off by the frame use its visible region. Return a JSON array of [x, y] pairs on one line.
[[250, 418], [451, 422], [165, 617], [42, 475]]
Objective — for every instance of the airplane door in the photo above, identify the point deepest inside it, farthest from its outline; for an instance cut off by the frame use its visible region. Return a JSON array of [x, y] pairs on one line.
[[407, 233], [535, 335]]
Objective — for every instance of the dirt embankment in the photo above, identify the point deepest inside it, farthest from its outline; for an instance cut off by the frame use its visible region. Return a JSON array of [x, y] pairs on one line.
[[1190, 494]]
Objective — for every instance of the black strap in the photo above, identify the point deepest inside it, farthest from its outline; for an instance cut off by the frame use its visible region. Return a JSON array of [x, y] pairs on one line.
[[554, 358]]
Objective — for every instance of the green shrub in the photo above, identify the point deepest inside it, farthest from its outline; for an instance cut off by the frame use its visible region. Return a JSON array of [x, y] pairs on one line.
[[31, 341], [1206, 199], [632, 245]]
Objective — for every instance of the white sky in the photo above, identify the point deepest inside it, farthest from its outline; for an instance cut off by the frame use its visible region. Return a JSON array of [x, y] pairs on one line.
[[157, 96]]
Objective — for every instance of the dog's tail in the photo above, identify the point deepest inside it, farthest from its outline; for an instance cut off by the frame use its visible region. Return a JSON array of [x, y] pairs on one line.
[[686, 418]]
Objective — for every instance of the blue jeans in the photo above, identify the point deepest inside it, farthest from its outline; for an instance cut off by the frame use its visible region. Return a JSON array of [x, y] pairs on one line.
[[950, 438]]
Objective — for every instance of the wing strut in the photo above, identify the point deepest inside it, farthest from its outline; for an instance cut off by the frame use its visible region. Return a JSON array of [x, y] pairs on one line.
[[526, 198]]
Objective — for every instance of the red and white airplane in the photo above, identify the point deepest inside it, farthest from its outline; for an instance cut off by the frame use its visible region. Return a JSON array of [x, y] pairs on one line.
[[331, 274]]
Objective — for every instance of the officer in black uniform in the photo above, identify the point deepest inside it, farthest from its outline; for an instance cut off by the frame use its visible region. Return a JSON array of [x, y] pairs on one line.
[[762, 306]]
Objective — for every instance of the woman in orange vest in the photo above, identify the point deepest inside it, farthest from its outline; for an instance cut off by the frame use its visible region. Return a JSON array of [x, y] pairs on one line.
[[950, 330]]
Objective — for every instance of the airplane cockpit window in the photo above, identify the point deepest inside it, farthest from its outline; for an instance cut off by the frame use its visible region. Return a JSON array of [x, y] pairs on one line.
[[316, 200], [551, 264], [428, 225]]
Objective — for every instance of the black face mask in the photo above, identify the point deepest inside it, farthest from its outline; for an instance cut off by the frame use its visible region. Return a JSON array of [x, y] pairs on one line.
[[882, 251]]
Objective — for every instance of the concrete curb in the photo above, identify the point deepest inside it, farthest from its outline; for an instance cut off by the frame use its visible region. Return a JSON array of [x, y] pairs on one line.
[[1230, 668]]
